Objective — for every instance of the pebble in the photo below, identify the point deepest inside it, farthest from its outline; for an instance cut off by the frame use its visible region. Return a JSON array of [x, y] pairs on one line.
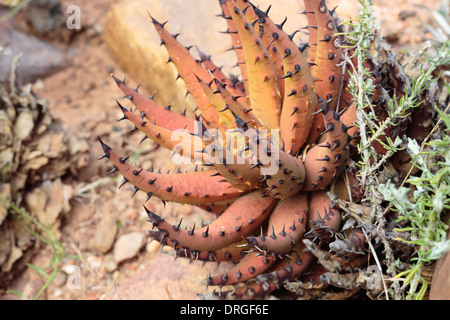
[[109, 264], [128, 246], [105, 233]]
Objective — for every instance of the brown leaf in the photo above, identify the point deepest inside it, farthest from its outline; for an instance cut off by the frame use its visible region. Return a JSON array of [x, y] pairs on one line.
[[24, 126], [5, 194]]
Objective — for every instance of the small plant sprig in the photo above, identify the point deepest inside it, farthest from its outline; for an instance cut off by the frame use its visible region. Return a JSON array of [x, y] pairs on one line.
[[401, 108], [362, 87], [46, 235], [398, 109], [361, 83], [423, 213]]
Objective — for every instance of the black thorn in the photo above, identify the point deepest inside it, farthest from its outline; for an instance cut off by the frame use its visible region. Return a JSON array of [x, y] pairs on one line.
[[125, 180], [136, 189], [281, 25], [106, 149]]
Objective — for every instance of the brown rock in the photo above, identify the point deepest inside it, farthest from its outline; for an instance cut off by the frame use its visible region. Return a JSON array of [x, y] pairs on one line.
[[5, 195], [48, 201], [5, 244], [165, 278], [134, 43], [55, 203], [6, 130], [29, 285], [128, 246], [14, 255], [105, 232], [36, 201]]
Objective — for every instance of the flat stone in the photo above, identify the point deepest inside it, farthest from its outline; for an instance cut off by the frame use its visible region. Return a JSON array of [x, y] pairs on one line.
[[105, 232], [128, 246], [47, 201], [28, 284], [165, 278]]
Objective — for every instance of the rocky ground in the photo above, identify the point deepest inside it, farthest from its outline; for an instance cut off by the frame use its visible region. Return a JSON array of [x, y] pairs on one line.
[[101, 228]]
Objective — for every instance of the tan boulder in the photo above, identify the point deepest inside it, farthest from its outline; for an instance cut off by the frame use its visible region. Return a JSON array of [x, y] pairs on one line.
[[134, 43]]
